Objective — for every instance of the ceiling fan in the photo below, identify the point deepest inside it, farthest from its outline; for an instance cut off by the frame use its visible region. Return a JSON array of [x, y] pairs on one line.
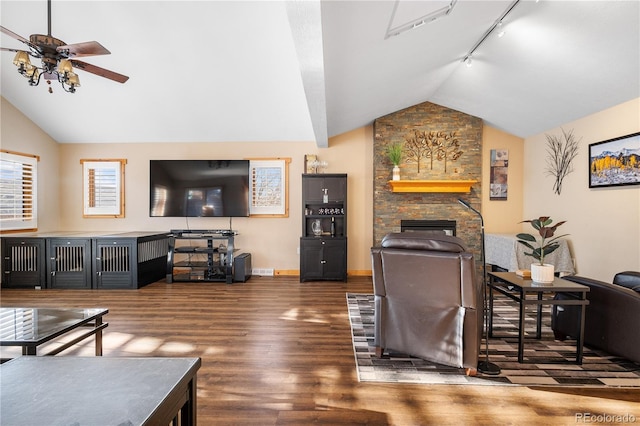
[[58, 59]]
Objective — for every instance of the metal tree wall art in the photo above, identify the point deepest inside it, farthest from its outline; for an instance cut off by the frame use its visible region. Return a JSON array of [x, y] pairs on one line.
[[439, 146], [417, 147], [449, 148], [561, 151]]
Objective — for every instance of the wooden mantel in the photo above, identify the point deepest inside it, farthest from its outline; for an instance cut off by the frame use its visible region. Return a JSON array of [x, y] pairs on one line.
[[431, 185]]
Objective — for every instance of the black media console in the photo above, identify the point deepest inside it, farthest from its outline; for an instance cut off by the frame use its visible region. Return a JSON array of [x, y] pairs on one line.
[[206, 255]]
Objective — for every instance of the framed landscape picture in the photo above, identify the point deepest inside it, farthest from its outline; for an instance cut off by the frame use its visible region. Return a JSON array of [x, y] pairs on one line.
[[615, 162]]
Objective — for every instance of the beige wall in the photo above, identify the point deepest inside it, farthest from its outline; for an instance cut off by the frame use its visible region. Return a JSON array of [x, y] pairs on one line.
[[502, 216], [19, 134], [272, 242], [603, 223]]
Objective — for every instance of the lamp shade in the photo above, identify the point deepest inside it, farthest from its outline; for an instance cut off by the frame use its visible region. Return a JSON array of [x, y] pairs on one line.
[[22, 58], [64, 66], [73, 79]]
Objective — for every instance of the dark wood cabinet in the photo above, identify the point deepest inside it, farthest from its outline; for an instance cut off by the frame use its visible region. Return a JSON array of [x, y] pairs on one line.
[[84, 260], [323, 245], [130, 259]]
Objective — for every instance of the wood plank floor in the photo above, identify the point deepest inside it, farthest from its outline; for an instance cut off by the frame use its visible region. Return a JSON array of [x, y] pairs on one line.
[[278, 352]]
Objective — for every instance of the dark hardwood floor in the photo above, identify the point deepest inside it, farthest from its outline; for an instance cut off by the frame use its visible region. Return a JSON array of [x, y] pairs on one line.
[[276, 352]]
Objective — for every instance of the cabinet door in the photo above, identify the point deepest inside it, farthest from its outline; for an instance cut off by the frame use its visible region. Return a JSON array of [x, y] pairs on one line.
[[23, 263], [113, 264], [335, 259], [314, 186], [310, 259], [69, 263], [336, 188]]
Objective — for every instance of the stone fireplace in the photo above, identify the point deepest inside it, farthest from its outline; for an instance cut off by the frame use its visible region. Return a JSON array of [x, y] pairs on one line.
[[391, 208]]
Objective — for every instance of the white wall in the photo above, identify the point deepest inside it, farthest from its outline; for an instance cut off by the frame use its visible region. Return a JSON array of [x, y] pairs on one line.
[[603, 223]]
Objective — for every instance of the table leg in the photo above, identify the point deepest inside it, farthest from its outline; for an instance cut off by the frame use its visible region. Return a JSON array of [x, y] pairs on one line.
[[29, 350], [521, 328], [189, 409], [490, 313], [539, 318], [98, 336], [579, 341]]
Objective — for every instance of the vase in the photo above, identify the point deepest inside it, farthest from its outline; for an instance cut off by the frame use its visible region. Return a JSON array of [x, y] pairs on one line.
[[316, 227], [542, 273], [396, 173]]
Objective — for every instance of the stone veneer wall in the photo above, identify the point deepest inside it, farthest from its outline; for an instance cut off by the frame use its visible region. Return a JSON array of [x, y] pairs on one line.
[[389, 208]]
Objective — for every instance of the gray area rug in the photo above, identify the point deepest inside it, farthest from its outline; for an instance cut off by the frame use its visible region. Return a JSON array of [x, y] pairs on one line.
[[547, 361]]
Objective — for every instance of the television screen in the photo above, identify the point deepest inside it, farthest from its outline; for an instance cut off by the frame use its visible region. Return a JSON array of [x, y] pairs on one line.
[[199, 188]]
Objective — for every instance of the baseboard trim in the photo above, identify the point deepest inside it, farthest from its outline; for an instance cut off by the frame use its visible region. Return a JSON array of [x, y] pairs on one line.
[[296, 273]]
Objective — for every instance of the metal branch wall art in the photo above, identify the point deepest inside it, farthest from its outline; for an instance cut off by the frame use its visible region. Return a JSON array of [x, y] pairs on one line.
[[440, 146], [561, 151]]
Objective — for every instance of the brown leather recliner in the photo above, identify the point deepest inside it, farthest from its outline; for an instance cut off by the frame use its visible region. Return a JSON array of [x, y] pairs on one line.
[[428, 302]]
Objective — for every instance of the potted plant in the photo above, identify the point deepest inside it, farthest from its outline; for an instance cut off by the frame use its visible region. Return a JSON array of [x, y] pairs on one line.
[[541, 272], [394, 151]]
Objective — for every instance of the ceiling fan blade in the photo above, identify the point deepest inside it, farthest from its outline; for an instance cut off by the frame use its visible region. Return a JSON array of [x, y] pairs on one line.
[[88, 48], [14, 35], [19, 38], [10, 50], [111, 75]]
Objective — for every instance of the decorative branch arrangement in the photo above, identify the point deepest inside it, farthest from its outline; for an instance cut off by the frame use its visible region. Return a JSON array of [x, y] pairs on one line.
[[440, 146], [561, 151]]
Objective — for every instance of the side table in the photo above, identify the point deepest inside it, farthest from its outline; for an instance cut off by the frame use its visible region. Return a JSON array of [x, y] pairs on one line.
[[527, 292]]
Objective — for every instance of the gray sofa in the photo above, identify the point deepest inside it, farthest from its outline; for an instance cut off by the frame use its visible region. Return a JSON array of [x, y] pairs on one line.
[[612, 316]]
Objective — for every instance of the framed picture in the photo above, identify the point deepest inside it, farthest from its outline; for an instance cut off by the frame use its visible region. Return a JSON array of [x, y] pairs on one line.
[[498, 174], [103, 188], [269, 187], [615, 162]]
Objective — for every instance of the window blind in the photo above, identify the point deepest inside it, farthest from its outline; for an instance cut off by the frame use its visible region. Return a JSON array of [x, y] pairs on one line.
[[18, 191]]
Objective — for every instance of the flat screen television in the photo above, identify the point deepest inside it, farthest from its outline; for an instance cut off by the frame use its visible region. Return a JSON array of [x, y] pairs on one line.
[[199, 188]]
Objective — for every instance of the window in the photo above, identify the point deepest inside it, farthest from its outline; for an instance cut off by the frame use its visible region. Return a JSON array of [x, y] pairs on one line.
[[103, 186], [18, 191], [269, 187]]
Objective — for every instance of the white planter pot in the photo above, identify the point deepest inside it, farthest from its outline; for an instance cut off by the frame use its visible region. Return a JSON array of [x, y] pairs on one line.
[[396, 173], [542, 273]]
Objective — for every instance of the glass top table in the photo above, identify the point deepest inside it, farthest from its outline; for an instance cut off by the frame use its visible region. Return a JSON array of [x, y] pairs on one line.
[[32, 327]]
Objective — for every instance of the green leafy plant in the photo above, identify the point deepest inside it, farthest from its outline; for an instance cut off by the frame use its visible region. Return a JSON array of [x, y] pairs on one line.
[[547, 243], [394, 151]]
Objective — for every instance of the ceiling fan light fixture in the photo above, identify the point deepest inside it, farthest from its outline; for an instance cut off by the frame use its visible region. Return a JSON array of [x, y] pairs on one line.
[[73, 79], [64, 66], [54, 55], [22, 59]]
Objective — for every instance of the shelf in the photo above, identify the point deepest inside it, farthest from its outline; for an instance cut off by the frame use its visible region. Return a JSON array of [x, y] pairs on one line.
[[431, 185]]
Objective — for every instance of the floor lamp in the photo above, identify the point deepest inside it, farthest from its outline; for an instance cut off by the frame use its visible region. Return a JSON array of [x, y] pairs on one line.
[[485, 366]]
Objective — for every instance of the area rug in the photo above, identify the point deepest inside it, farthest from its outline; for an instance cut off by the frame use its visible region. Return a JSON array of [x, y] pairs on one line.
[[547, 362]]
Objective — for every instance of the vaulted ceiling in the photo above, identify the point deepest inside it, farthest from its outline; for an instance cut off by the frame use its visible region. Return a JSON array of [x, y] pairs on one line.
[[209, 71]]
